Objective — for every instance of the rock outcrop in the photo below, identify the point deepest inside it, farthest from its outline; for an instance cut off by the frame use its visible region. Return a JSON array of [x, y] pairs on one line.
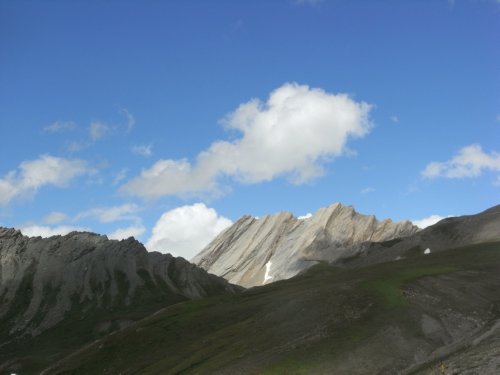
[[258, 251]]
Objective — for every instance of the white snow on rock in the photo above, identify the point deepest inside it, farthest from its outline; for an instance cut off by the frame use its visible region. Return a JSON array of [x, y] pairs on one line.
[[267, 276]]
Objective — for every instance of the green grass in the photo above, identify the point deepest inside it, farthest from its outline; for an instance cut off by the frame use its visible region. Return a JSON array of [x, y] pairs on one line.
[[298, 326], [390, 288]]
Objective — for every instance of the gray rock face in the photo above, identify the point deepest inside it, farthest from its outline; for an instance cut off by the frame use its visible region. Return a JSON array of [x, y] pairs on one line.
[[43, 280], [258, 251]]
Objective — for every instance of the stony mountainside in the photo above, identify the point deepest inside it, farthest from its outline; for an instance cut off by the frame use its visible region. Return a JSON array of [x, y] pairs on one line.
[[448, 233], [88, 285], [258, 251], [413, 316]]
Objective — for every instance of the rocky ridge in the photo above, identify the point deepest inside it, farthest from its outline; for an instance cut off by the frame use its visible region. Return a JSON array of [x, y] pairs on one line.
[[258, 251], [43, 280], [448, 233]]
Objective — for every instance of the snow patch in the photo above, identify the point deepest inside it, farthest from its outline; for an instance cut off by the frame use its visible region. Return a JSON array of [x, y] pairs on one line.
[[267, 276], [427, 251]]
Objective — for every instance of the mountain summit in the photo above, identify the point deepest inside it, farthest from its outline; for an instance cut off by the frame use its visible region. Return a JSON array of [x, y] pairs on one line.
[[257, 251]]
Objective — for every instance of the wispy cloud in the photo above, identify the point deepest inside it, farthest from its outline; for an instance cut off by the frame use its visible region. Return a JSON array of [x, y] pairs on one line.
[[130, 119], [59, 127], [120, 176], [32, 175], [293, 134], [144, 150], [367, 190], [470, 161], [55, 217], [395, 119], [98, 130], [124, 212]]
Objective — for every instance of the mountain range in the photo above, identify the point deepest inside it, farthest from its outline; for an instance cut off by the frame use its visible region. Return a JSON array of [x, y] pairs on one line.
[[344, 294]]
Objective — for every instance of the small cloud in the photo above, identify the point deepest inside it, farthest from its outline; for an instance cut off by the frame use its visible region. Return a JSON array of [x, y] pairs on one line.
[[47, 231], [59, 127], [55, 217], [470, 162], [367, 190], [186, 230], [144, 150], [124, 233], [395, 119], [498, 116], [428, 221], [306, 216]]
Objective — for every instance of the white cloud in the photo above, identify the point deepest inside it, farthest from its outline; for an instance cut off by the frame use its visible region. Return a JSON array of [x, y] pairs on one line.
[[186, 230], [470, 161], [34, 174], [124, 233], [293, 134], [395, 119], [367, 190], [59, 127], [47, 231], [98, 130], [111, 214], [306, 216], [144, 150], [55, 217], [428, 221]]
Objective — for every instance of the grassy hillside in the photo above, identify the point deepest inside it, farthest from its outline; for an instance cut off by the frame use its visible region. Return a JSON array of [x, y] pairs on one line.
[[382, 319]]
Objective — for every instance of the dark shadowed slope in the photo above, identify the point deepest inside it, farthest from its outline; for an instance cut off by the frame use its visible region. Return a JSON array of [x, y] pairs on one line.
[[446, 234], [389, 318], [59, 293]]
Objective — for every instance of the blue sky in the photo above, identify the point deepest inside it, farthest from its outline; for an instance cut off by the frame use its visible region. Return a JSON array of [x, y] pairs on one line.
[[169, 120]]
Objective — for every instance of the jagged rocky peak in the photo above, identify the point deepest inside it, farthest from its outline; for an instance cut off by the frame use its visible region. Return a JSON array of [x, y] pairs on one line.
[[258, 251]]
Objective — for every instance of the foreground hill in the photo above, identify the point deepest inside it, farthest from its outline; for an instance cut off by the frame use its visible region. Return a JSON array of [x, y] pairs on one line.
[[406, 317], [59, 293], [258, 251]]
